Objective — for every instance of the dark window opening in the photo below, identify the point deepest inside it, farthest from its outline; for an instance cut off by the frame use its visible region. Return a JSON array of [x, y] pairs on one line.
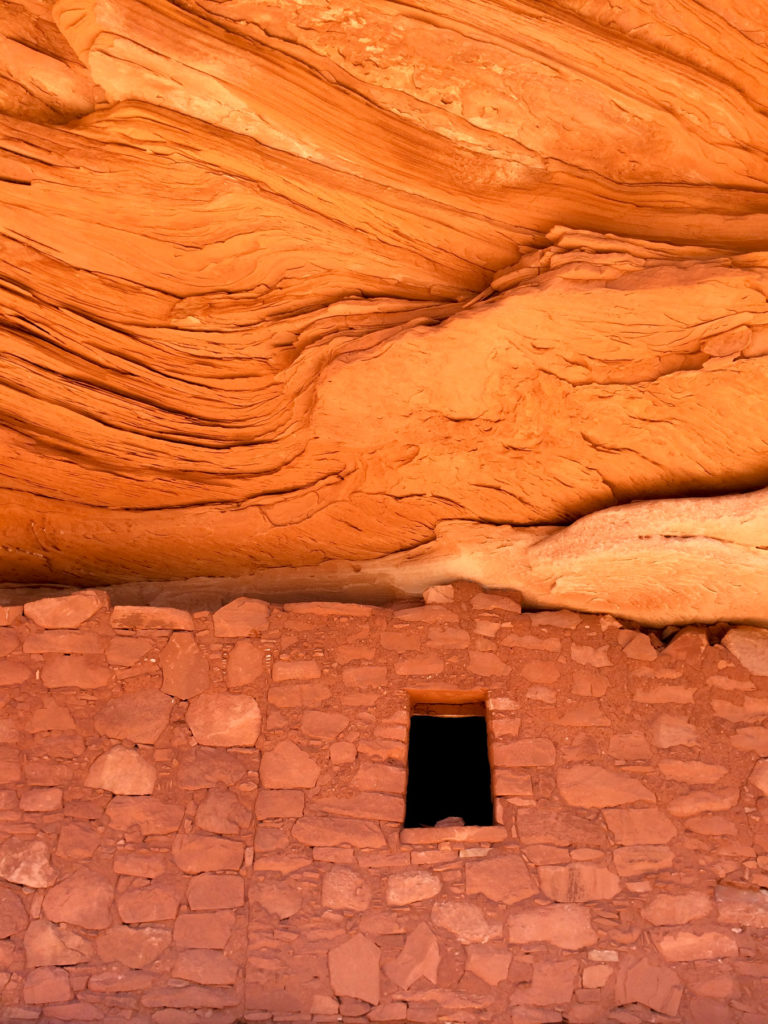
[[449, 776]]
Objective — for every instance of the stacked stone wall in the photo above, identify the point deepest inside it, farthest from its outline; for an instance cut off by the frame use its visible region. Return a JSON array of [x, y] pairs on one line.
[[201, 817]]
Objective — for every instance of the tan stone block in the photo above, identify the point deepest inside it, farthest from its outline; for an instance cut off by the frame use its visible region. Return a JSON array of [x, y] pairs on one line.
[[83, 899], [354, 969], [123, 771], [670, 908], [67, 612], [567, 926], [634, 826], [279, 803], [150, 815], [194, 854], [140, 716], [47, 985], [503, 879], [133, 947], [184, 667], [215, 892], [406, 887], [149, 617], [684, 946], [578, 883], [224, 720], [287, 766], [205, 966], [26, 862], [345, 889], [640, 860], [50, 945], [222, 812], [243, 617], [81, 671], [588, 785]]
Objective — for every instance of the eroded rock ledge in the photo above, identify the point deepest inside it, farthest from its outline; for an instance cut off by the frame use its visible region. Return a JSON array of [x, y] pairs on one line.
[[287, 287]]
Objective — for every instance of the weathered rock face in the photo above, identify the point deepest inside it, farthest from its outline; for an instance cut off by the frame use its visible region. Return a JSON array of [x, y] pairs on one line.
[[286, 284]]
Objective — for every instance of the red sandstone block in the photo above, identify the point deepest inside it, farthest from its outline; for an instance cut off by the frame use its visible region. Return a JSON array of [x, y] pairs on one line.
[[133, 947], [204, 930], [242, 617], [364, 675], [245, 664], [64, 641], [299, 695], [524, 753], [153, 817], [275, 803], [140, 863], [184, 666], [9, 642], [197, 997], [366, 806], [13, 673], [336, 609], [328, 831], [81, 671], [215, 892], [420, 665], [68, 612], [508, 602], [205, 966], [486, 663], [124, 651], [149, 617], [224, 719], [287, 766], [194, 854], [84, 899], [427, 613], [283, 671], [10, 614], [47, 985]]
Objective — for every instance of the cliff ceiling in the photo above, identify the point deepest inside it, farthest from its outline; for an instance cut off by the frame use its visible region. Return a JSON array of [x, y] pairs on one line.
[[357, 297]]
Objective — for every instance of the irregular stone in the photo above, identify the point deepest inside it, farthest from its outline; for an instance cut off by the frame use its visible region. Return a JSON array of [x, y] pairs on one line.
[[26, 862], [140, 717], [686, 946], [559, 826], [481, 663], [544, 672], [749, 645], [83, 899], [578, 883], [224, 720], [47, 985], [327, 831], [345, 889], [279, 898], [665, 693], [754, 737], [673, 731], [653, 985], [670, 908], [64, 642], [125, 651], [419, 958], [120, 979], [66, 612], [406, 887], [354, 969], [596, 657], [124, 771], [204, 931], [41, 799], [222, 812], [149, 814], [381, 778], [552, 984], [140, 863], [10, 765], [742, 906], [243, 617], [13, 673], [50, 945], [200, 768], [759, 777], [245, 664], [193, 997], [205, 966], [490, 965], [567, 926], [504, 879], [524, 753], [588, 785], [279, 803], [324, 725], [215, 892], [13, 915], [287, 766], [81, 671], [639, 860], [465, 920], [134, 947], [149, 617], [374, 806], [50, 716], [637, 646], [146, 904], [692, 771], [77, 841], [632, 826], [195, 854], [702, 800], [184, 666], [285, 671]]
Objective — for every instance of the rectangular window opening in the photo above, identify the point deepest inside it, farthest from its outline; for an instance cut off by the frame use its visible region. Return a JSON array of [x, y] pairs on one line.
[[449, 774]]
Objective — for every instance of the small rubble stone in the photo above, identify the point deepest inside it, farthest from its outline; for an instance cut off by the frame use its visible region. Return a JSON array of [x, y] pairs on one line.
[[224, 720], [124, 771], [243, 617]]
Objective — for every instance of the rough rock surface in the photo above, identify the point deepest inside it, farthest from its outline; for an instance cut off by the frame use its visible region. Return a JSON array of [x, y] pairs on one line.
[[286, 284]]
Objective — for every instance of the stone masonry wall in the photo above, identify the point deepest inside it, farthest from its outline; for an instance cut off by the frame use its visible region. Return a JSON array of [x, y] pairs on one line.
[[201, 817]]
